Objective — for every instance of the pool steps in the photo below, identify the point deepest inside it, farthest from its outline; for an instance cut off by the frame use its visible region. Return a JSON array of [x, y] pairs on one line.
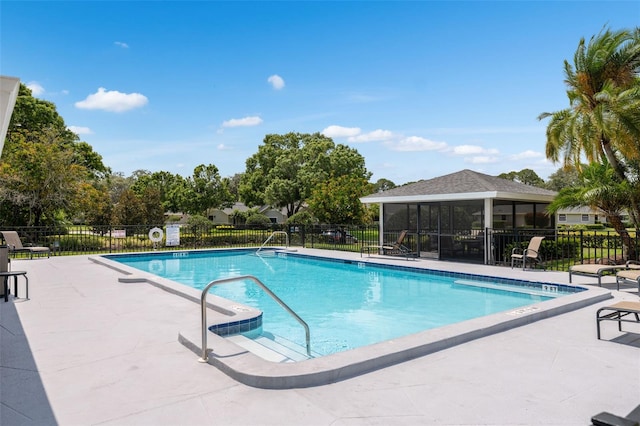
[[270, 348]]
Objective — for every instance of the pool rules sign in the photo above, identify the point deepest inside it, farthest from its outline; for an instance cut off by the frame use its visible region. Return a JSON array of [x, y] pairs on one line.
[[173, 235]]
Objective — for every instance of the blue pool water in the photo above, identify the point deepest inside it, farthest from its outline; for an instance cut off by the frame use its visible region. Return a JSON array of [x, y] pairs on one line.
[[346, 304]]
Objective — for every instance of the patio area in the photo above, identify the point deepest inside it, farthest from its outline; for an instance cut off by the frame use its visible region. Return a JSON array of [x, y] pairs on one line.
[[87, 349]]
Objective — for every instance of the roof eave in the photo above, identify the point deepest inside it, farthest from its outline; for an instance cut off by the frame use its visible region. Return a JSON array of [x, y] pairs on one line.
[[458, 197]]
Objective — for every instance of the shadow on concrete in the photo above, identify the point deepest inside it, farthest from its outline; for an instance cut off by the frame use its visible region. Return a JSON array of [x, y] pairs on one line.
[[23, 400], [629, 339]]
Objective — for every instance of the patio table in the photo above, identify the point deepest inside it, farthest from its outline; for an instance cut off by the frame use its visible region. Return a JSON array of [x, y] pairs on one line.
[[5, 280]]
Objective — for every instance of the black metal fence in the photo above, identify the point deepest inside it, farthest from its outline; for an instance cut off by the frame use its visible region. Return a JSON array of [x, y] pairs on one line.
[[560, 248], [563, 248], [74, 240]]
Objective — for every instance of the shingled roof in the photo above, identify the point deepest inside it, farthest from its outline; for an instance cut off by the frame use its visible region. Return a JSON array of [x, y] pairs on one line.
[[462, 182]]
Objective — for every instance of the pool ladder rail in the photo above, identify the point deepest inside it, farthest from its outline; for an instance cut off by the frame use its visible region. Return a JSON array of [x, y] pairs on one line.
[[273, 234], [203, 310]]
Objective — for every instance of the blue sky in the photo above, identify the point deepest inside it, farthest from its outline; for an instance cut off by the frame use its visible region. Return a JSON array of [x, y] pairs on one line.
[[419, 88]]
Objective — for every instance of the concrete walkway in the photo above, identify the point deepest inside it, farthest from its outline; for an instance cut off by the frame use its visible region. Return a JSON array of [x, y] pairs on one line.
[[88, 350]]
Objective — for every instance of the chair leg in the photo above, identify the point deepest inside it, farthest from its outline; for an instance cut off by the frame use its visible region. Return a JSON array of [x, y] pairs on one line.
[[619, 322]]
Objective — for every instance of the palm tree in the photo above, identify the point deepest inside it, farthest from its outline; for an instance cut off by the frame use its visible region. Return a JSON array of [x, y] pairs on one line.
[[601, 190], [603, 119]]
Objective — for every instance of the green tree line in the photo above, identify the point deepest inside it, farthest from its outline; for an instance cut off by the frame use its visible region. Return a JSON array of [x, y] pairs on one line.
[[48, 176]]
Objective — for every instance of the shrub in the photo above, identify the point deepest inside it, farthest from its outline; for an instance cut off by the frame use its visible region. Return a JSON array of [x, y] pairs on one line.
[[258, 221], [595, 226], [80, 243], [302, 218], [198, 226]]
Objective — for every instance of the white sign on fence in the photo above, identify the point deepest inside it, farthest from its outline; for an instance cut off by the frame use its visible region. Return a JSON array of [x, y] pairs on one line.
[[173, 235], [119, 233]]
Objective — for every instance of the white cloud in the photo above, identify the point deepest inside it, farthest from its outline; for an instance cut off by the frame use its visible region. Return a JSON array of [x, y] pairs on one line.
[[482, 159], [121, 44], [417, 143], [472, 149], [340, 132], [79, 130], [486, 130], [223, 147], [276, 81], [112, 101], [242, 122], [376, 135], [526, 155], [36, 88]]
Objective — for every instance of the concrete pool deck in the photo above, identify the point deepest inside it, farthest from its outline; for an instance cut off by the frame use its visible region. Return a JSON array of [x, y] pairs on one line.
[[87, 349]]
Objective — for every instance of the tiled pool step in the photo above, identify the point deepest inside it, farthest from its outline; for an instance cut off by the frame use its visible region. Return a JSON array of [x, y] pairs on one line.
[[270, 347]]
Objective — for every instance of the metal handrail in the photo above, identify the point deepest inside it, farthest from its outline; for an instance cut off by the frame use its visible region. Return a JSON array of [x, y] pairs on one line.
[[203, 307], [271, 236]]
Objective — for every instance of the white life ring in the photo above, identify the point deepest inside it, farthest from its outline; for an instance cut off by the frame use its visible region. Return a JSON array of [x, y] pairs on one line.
[[156, 235]]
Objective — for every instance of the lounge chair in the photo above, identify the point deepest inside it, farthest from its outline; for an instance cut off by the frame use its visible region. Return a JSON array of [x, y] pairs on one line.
[[397, 248], [631, 274], [530, 254], [619, 312], [15, 245], [595, 270], [608, 419]]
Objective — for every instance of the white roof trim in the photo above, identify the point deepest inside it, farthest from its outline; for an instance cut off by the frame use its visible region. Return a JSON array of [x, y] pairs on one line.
[[9, 87], [459, 197]]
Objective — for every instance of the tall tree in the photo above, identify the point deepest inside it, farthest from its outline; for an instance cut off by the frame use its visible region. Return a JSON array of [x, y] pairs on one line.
[[129, 210], [603, 118], [234, 185], [32, 115], [337, 200], [383, 184], [117, 184], [167, 184], [602, 190], [562, 178], [43, 165], [526, 176], [287, 168], [39, 177], [152, 205], [206, 190], [95, 206]]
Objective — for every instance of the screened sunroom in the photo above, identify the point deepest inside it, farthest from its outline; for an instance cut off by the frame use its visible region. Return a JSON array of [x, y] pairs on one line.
[[464, 216]]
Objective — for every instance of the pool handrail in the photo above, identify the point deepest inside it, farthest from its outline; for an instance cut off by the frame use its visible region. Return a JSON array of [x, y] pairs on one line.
[[203, 307], [271, 236]]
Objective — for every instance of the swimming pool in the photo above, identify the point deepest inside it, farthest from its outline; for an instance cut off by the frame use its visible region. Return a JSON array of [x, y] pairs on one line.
[[347, 304]]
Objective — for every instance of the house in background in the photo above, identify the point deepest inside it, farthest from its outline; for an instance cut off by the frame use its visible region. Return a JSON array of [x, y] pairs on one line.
[[583, 216], [225, 216]]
